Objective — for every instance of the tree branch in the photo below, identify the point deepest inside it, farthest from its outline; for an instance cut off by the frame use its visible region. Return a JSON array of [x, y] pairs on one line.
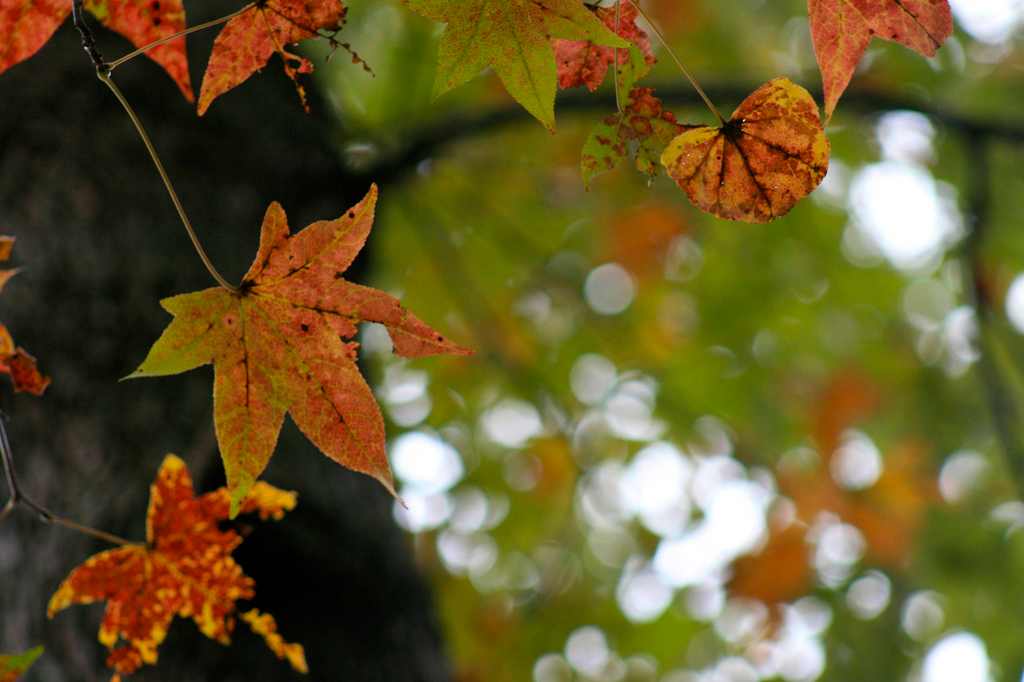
[[45, 515], [1002, 404], [88, 39], [431, 139]]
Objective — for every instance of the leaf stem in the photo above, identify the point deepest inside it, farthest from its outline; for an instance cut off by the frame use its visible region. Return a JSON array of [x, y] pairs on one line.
[[615, 60], [693, 81], [191, 29], [45, 515], [104, 76]]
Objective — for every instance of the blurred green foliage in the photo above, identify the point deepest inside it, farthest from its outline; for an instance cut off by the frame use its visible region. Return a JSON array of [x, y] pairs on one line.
[[608, 320]]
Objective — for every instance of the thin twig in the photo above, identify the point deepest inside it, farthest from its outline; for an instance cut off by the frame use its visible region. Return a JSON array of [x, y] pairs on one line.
[[88, 40], [1003, 405], [615, 61], [191, 29], [104, 76], [671, 53], [45, 515], [103, 73]]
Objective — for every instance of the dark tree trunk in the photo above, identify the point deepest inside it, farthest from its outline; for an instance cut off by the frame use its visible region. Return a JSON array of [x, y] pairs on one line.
[[100, 244]]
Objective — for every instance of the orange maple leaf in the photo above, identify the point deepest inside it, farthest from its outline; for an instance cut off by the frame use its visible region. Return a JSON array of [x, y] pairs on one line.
[[282, 345], [581, 62], [15, 361], [185, 569], [26, 25], [754, 168], [248, 40], [842, 29]]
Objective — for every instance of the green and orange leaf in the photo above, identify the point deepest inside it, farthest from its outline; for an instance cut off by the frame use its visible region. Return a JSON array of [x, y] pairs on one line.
[[514, 37], [26, 25], [12, 666], [842, 29], [283, 345], [249, 40], [14, 360], [642, 130], [755, 168], [185, 569]]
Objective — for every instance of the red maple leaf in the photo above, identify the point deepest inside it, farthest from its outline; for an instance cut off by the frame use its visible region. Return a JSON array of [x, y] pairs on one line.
[[842, 30], [26, 25], [248, 41], [581, 62], [14, 360]]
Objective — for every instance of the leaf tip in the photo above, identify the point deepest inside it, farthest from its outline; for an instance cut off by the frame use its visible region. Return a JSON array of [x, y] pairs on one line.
[[60, 600], [172, 463], [464, 351], [240, 484], [203, 105], [263, 624], [371, 195], [385, 479]]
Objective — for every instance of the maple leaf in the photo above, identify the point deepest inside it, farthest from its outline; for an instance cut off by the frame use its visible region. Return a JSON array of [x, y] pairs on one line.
[[13, 665], [185, 569], [842, 29], [15, 361], [282, 345], [27, 24], [754, 168], [247, 42], [581, 62], [514, 38], [643, 128]]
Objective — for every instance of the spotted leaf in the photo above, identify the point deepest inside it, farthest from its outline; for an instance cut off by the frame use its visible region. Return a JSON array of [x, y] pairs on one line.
[[283, 345], [755, 167], [185, 569]]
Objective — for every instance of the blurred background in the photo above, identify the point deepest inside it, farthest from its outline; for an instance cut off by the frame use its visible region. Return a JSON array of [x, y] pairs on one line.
[[685, 451]]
